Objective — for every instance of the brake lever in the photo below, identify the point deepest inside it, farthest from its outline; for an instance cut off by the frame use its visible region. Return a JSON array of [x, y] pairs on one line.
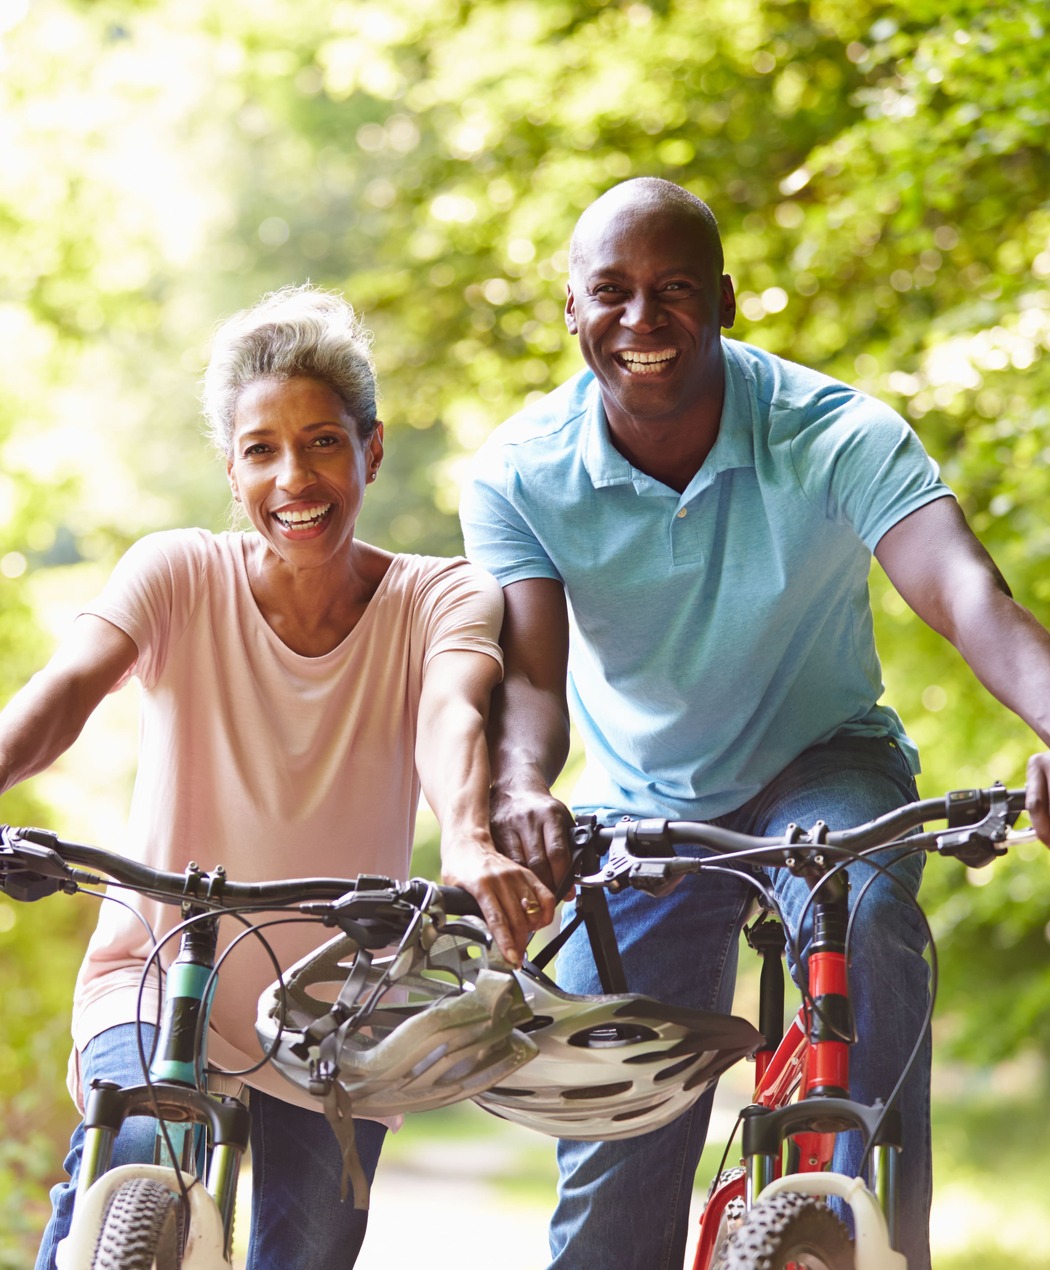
[[31, 870], [978, 845], [656, 876]]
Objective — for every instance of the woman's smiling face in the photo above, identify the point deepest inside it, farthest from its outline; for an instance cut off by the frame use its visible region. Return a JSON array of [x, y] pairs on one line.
[[298, 466]]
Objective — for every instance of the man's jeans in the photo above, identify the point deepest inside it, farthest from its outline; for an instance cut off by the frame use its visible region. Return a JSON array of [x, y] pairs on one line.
[[297, 1221], [626, 1203]]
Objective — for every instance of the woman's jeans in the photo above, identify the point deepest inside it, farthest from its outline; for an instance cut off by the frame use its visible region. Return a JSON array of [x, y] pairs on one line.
[[297, 1221], [626, 1203]]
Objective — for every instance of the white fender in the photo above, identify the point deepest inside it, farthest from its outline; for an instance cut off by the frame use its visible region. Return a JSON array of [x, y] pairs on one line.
[[205, 1240], [871, 1239]]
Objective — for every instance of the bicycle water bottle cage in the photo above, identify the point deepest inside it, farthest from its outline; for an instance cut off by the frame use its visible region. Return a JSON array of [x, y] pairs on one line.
[[976, 844]]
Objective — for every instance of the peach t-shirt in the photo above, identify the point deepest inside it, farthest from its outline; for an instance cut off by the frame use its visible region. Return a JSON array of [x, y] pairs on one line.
[[270, 763]]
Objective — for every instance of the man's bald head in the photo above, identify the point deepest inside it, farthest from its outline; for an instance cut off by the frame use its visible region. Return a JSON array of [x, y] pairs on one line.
[[640, 199]]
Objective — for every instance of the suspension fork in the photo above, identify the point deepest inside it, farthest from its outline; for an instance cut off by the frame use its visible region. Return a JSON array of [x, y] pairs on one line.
[[175, 1060], [825, 1020], [824, 1107], [173, 1092]]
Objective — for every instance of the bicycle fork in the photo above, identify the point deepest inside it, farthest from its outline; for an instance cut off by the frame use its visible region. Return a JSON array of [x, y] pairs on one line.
[[813, 1054], [173, 1096]]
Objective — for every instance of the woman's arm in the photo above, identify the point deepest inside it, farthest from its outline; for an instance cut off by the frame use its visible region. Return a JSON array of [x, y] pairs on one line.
[[453, 765], [44, 719]]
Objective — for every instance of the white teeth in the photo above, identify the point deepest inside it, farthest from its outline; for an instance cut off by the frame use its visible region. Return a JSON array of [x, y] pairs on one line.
[[299, 519], [646, 363]]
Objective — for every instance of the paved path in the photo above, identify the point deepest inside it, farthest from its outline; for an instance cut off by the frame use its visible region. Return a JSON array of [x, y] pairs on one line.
[[442, 1221]]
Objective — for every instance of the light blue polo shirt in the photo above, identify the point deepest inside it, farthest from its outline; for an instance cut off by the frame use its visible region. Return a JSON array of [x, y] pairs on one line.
[[718, 633]]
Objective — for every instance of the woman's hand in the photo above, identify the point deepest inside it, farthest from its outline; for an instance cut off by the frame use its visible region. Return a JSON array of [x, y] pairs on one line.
[[513, 901]]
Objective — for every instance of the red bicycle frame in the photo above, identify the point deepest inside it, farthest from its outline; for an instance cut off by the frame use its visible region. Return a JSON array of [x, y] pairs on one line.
[[810, 1059]]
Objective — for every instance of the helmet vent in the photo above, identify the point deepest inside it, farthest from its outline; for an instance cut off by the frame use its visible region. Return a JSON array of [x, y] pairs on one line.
[[535, 1023], [683, 1065], [597, 1091], [612, 1035]]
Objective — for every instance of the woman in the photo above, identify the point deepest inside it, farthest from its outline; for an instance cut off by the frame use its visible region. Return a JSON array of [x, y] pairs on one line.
[[299, 686]]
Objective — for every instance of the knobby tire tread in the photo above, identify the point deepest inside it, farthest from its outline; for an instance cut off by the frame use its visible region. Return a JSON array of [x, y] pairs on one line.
[[140, 1229], [789, 1230]]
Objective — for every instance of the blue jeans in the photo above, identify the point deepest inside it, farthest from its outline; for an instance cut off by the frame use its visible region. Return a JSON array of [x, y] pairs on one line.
[[297, 1222], [626, 1203]]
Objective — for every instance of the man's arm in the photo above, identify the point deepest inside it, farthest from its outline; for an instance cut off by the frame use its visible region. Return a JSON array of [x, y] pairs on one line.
[[944, 573], [44, 719], [453, 764], [529, 735]]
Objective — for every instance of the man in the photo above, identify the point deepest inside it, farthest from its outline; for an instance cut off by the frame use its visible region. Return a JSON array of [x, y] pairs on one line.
[[707, 513]]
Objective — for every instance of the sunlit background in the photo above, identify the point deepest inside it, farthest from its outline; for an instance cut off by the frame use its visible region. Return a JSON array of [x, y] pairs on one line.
[[880, 172]]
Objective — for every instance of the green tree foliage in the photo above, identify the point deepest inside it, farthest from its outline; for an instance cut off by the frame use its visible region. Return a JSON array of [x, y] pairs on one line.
[[879, 170]]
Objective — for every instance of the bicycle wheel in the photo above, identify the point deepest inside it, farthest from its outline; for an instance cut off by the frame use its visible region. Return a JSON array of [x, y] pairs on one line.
[[141, 1229], [789, 1232]]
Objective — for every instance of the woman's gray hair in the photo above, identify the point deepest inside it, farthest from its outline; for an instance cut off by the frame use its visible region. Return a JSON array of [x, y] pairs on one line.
[[298, 332]]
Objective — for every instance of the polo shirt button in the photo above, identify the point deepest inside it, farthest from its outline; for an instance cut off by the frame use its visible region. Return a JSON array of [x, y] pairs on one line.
[[684, 512]]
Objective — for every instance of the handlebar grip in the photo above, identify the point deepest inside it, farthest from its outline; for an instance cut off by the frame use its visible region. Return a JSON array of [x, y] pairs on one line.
[[455, 900], [459, 902]]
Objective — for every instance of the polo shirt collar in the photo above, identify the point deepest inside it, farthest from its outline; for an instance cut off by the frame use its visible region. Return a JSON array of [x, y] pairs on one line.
[[734, 447], [604, 463]]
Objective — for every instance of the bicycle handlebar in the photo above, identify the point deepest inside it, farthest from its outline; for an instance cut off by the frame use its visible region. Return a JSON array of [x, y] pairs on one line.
[[35, 863], [978, 822]]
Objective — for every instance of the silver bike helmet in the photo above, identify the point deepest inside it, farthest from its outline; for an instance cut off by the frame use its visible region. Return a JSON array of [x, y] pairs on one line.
[[613, 1066], [425, 1026]]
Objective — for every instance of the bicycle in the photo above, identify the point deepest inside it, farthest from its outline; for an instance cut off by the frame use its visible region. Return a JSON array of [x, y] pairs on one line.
[[440, 975], [179, 1211], [771, 1211]]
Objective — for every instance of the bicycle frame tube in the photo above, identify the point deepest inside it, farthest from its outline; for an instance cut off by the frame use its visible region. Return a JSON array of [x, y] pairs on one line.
[[829, 1026], [828, 1015], [782, 1072], [181, 1053]]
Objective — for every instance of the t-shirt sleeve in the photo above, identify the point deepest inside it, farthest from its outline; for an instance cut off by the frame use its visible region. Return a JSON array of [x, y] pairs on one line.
[[462, 610], [496, 533], [862, 464], [149, 597]]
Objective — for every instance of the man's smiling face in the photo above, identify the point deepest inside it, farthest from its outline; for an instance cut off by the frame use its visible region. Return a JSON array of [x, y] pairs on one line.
[[647, 300]]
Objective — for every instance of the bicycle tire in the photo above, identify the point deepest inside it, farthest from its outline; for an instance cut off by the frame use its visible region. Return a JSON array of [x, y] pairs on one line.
[[141, 1228], [789, 1230]]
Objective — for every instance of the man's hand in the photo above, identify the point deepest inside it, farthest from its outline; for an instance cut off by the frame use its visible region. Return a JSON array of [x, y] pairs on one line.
[[1037, 795], [531, 827]]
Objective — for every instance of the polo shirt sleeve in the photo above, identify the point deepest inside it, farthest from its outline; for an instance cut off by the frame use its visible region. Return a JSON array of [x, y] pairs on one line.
[[861, 464], [493, 512]]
